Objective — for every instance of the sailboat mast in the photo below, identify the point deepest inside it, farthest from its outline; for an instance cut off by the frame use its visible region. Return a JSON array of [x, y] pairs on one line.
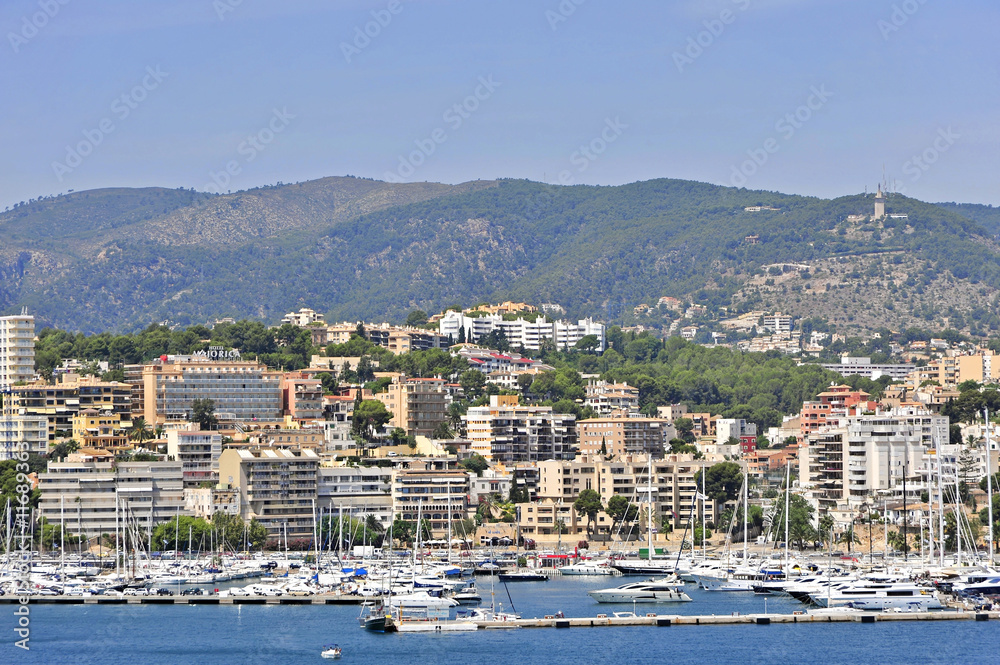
[[937, 454], [315, 536], [649, 515], [448, 490], [62, 537], [788, 490], [746, 508], [704, 550], [116, 534], [930, 511], [989, 485], [958, 518]]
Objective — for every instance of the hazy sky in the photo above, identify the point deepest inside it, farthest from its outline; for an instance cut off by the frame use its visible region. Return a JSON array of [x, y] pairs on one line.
[[801, 96]]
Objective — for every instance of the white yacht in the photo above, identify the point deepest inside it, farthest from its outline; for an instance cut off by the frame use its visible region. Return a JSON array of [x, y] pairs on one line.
[[904, 596], [668, 590], [421, 600], [587, 568]]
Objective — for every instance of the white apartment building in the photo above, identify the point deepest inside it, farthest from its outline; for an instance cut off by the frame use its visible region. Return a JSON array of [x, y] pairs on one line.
[[91, 496], [356, 491], [303, 317], [777, 323], [206, 501], [726, 428], [863, 366], [527, 333], [277, 487], [605, 398], [859, 457], [18, 429], [17, 349], [506, 432], [198, 452], [492, 482], [431, 492]]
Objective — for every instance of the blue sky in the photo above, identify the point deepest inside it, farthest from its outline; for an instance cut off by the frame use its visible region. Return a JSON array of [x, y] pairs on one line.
[[801, 96]]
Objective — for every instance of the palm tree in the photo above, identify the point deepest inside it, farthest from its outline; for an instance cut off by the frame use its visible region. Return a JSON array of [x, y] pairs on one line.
[[849, 537], [140, 431], [825, 530], [373, 525]]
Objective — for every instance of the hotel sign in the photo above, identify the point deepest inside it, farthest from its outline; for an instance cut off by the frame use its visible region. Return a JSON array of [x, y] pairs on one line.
[[218, 353]]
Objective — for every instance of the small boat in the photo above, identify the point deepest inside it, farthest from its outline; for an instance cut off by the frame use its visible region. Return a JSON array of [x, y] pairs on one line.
[[523, 576], [331, 651], [662, 591], [586, 569], [424, 622], [378, 620]]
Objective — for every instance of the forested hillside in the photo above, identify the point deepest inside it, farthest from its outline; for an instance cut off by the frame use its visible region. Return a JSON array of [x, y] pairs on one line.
[[361, 249]]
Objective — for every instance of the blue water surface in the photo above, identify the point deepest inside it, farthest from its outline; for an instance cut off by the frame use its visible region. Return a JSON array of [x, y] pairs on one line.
[[273, 635]]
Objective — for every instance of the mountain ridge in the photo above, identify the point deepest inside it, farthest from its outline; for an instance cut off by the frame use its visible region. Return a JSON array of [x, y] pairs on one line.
[[119, 259]]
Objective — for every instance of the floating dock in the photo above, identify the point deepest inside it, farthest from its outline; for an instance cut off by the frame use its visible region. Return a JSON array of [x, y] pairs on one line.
[[325, 599], [551, 621], [668, 620]]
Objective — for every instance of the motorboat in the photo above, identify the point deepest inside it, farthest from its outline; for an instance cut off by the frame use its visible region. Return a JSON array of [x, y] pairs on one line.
[[421, 600], [490, 617], [425, 623], [523, 576], [901, 596], [378, 620], [669, 590], [586, 569], [643, 566], [331, 651], [468, 596]]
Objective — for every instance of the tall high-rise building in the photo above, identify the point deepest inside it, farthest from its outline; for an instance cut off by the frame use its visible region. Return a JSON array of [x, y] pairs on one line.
[[17, 349]]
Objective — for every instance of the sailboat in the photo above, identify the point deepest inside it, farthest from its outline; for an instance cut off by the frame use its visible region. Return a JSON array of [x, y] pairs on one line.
[[519, 574], [649, 566]]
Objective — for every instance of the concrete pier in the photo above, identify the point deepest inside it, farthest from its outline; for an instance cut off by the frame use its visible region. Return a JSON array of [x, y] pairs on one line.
[[326, 599], [551, 621], [668, 620]]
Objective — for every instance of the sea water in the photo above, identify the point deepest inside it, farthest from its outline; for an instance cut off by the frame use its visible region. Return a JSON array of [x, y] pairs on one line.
[[279, 634]]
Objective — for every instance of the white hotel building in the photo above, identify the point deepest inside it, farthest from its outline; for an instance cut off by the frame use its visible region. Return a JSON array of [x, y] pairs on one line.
[[522, 332]]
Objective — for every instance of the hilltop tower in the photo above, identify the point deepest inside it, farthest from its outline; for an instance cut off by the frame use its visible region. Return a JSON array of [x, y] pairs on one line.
[[879, 204]]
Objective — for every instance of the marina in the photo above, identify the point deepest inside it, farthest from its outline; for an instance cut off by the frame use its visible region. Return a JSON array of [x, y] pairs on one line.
[[740, 628]]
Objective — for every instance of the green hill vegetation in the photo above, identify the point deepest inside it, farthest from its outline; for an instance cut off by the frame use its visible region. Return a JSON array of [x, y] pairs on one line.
[[760, 387], [361, 249]]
